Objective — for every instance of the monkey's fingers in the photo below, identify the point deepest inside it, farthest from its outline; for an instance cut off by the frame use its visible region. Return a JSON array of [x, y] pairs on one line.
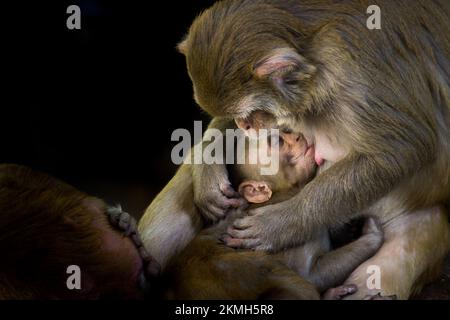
[[237, 203], [214, 212], [136, 239], [151, 270], [127, 223], [339, 292], [234, 198], [228, 191], [241, 234], [114, 215], [240, 243], [152, 267], [243, 223], [122, 220], [226, 203], [230, 241]]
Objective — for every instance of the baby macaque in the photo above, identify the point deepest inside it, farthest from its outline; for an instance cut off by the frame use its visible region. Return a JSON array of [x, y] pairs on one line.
[[208, 269]]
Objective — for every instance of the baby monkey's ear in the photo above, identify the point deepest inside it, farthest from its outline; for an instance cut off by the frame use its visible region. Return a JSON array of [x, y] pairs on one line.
[[255, 191]]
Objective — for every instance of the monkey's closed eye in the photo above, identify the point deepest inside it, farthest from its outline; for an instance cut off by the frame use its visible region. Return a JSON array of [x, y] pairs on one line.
[[291, 81]]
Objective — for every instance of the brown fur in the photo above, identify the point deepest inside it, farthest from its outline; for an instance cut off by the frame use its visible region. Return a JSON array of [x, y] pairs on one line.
[[46, 226], [208, 269], [205, 268]]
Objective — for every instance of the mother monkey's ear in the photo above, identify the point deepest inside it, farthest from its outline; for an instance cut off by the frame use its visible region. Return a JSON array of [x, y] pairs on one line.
[[285, 68]]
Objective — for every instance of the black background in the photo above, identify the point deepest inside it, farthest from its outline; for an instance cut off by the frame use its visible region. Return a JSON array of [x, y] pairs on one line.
[[96, 107]]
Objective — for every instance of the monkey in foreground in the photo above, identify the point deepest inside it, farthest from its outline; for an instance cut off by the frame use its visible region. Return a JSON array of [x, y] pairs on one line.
[[47, 226], [375, 103], [207, 269]]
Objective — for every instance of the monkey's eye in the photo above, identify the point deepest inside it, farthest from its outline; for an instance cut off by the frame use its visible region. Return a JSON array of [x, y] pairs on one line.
[[291, 81]]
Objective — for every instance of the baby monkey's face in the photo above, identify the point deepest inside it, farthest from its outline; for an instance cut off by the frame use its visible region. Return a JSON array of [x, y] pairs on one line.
[[295, 157]]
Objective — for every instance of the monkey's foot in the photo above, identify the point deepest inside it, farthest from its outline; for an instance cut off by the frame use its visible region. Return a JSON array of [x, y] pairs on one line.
[[339, 292], [378, 296]]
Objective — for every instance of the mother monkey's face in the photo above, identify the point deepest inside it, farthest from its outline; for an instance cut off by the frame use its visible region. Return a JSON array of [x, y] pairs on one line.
[[246, 58]]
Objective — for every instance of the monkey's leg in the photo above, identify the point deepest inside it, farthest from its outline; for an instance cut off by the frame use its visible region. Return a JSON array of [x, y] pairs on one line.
[[332, 268], [412, 254], [171, 220]]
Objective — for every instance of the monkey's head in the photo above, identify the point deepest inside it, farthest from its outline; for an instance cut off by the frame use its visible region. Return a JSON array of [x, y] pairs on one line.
[[244, 56], [296, 164], [47, 226]]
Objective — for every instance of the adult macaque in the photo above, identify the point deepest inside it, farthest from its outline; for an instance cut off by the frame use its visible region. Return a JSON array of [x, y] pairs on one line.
[[207, 269], [47, 226], [374, 102]]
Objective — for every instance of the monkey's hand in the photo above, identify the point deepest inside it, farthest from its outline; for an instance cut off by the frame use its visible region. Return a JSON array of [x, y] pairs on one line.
[[270, 228], [213, 193], [124, 222]]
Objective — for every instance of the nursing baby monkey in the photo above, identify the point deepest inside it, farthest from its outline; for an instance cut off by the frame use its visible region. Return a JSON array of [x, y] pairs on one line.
[[208, 269]]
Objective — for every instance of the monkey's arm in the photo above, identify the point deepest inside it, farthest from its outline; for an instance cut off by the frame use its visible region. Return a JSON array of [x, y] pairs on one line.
[[334, 267], [171, 220], [334, 197], [213, 193]]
